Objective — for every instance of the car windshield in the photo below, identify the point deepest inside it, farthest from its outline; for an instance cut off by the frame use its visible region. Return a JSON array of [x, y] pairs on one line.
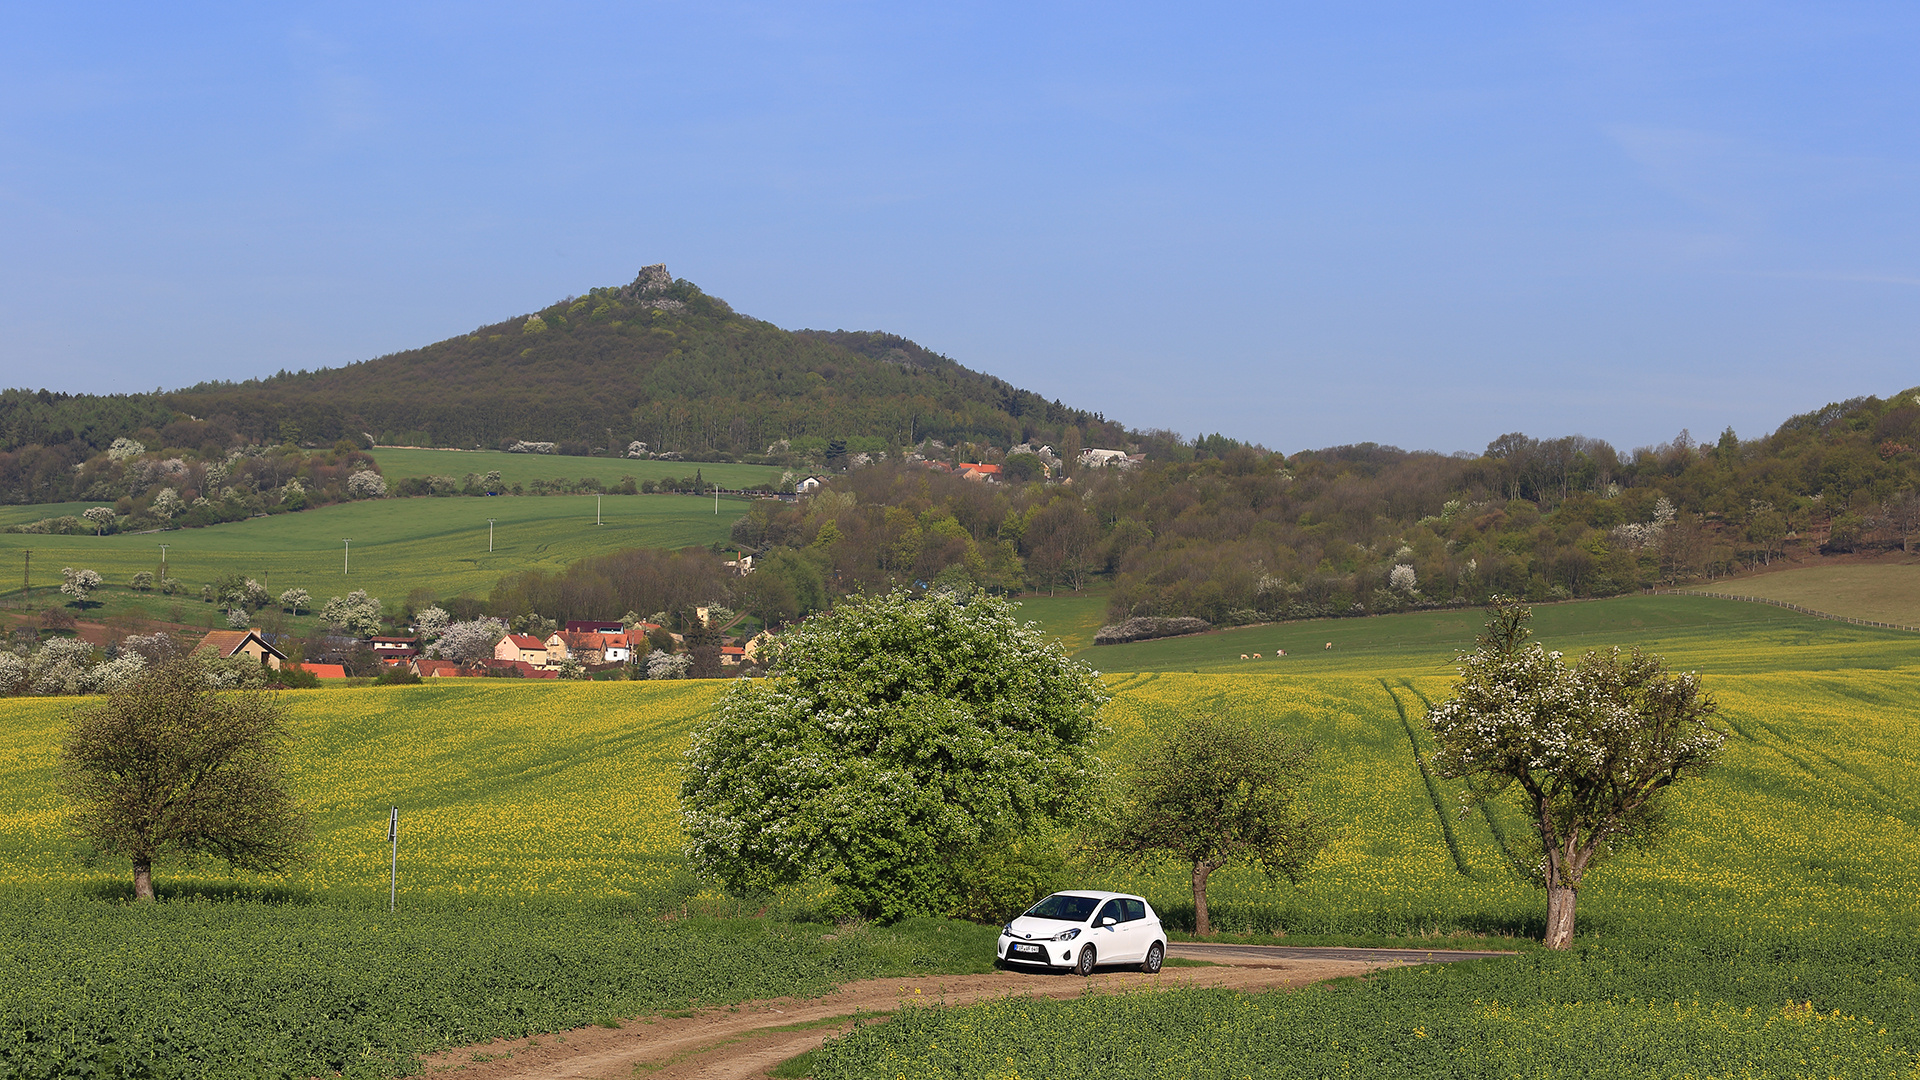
[[1064, 907]]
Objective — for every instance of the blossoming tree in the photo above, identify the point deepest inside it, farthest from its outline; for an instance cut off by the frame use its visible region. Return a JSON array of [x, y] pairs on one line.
[[1589, 749]]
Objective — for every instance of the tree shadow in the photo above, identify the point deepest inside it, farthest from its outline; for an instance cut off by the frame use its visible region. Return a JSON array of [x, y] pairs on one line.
[[212, 892]]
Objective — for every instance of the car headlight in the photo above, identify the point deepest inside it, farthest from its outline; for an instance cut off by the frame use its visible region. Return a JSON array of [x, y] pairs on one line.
[[1067, 935]]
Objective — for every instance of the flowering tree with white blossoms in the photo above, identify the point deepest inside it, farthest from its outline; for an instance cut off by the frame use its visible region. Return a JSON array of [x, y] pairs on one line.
[[467, 641], [897, 735], [367, 484], [1401, 579], [79, 584], [433, 622], [1588, 749]]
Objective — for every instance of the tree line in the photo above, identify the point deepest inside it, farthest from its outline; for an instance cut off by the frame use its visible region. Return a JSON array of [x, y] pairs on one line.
[[1249, 536]]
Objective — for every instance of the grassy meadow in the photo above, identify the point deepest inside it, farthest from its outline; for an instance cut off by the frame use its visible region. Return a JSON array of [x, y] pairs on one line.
[[1883, 591], [1775, 932], [396, 464], [398, 544]]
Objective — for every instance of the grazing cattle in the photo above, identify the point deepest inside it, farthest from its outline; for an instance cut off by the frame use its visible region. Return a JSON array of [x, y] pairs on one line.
[[1243, 656], [1279, 652], [1329, 646], [1256, 656]]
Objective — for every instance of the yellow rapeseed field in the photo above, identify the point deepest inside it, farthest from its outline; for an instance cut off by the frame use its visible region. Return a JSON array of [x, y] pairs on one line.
[[568, 791]]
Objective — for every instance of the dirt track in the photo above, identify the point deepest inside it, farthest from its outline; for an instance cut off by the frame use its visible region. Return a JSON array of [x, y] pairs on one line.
[[747, 1040]]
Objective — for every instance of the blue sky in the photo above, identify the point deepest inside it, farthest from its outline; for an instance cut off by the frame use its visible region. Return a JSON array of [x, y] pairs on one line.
[[1301, 224]]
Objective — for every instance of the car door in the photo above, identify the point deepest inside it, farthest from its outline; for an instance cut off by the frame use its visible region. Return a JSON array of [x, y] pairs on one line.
[[1117, 943]]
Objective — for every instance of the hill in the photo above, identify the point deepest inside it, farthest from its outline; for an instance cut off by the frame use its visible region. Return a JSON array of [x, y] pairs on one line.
[[656, 361]]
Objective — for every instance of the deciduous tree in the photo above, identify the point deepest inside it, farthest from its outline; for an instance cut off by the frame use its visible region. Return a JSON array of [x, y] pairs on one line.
[[168, 765], [1588, 750], [898, 734], [1211, 791]]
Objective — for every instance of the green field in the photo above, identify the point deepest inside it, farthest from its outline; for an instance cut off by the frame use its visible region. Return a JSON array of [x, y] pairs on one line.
[[1713, 635], [397, 464], [1791, 873], [1879, 591], [398, 544]]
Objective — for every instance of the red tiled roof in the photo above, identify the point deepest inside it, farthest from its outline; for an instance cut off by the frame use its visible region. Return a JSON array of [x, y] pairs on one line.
[[526, 641], [440, 669], [324, 671], [991, 469]]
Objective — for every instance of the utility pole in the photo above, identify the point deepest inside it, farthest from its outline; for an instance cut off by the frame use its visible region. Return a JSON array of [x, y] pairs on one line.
[[489, 536], [346, 554], [26, 579], [596, 510], [393, 873], [163, 565]]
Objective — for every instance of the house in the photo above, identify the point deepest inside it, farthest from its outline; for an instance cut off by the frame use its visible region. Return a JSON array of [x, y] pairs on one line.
[[439, 669], [978, 472], [756, 646], [231, 643], [322, 671], [395, 650], [732, 655], [522, 668], [1095, 458], [809, 485], [522, 647], [615, 649], [595, 626], [741, 564], [586, 648]]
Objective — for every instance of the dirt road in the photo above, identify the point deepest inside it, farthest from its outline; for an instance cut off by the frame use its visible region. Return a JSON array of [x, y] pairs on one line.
[[745, 1041]]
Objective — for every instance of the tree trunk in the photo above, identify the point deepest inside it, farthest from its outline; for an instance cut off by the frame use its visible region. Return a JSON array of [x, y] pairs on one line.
[[143, 880], [1560, 902], [1202, 926]]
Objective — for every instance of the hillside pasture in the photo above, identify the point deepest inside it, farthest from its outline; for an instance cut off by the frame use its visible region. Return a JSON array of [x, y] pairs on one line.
[[1886, 590], [398, 544], [396, 464], [1720, 636]]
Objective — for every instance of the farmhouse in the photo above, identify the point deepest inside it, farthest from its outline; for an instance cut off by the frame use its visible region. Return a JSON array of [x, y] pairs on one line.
[[231, 643], [595, 626], [524, 648]]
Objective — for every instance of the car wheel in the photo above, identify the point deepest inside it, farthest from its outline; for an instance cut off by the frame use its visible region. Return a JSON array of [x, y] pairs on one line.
[[1155, 956], [1084, 966]]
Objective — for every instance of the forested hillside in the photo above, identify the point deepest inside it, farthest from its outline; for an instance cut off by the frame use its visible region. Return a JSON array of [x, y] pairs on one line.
[[656, 361], [1252, 537]]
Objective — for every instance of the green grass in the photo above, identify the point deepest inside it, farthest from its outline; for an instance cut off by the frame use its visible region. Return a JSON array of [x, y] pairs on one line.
[[1878, 591], [398, 544], [32, 512], [526, 468], [1692, 632], [1073, 617]]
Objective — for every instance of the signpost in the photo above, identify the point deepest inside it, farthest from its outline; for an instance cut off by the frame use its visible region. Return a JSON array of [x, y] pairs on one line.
[[393, 874]]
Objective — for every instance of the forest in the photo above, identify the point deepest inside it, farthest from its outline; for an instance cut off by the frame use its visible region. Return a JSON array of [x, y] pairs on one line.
[[1250, 537]]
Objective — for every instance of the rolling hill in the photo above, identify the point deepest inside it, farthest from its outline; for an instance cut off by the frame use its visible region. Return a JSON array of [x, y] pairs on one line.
[[656, 360]]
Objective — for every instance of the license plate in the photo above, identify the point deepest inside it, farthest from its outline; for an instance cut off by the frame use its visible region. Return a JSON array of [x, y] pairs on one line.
[[1026, 948]]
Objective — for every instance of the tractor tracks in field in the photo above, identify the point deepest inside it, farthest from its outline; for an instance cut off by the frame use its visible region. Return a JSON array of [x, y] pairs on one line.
[[746, 1041]]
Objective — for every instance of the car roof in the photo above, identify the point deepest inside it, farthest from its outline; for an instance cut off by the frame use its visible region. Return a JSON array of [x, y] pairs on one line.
[[1096, 894]]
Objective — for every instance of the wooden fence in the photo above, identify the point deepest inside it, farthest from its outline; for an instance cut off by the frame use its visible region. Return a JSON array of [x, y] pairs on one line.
[[1794, 607]]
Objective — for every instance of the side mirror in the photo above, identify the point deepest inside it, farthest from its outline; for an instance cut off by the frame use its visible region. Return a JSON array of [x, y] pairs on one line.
[[1108, 921]]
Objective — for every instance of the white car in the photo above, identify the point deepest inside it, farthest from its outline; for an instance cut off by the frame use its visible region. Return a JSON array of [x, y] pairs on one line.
[[1080, 930]]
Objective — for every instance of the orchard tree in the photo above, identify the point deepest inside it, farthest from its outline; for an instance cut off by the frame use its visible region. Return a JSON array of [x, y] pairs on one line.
[[79, 584], [101, 518], [897, 736], [296, 599], [1212, 791], [168, 765], [357, 613], [1589, 750], [468, 641]]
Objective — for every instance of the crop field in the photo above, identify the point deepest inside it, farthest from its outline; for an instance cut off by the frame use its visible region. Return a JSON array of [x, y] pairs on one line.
[[1774, 932], [397, 544], [1885, 591], [526, 468]]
